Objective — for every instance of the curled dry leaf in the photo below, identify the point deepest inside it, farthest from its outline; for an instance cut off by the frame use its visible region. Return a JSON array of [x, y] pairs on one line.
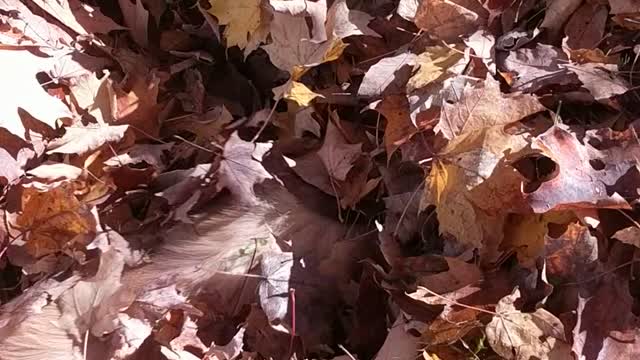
[[522, 336]]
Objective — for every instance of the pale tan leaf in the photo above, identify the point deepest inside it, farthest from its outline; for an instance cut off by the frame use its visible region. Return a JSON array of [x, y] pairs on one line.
[[80, 140], [483, 107], [450, 19], [522, 336], [316, 10]]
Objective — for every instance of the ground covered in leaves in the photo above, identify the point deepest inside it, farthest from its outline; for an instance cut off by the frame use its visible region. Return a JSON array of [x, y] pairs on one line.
[[340, 179]]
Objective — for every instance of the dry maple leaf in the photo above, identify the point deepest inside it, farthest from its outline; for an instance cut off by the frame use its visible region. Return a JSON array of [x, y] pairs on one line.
[[483, 107], [55, 219], [241, 169], [242, 19], [601, 80], [399, 127], [584, 173], [386, 76], [433, 66], [83, 139], [537, 67], [522, 336]]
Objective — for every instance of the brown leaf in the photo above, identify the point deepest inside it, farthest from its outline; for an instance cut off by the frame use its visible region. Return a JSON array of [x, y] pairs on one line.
[[459, 275], [337, 154], [483, 107], [584, 173], [138, 106], [606, 327], [571, 255], [556, 14], [522, 336], [136, 17], [586, 26], [601, 80], [399, 127], [291, 49], [55, 219], [630, 235], [537, 67], [448, 20], [624, 6]]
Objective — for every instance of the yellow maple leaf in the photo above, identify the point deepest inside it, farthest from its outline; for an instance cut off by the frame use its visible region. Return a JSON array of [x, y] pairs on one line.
[[432, 65], [53, 218], [242, 18], [526, 233], [297, 92]]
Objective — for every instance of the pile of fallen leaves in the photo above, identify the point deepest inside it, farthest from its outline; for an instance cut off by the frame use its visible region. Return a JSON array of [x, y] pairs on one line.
[[437, 179]]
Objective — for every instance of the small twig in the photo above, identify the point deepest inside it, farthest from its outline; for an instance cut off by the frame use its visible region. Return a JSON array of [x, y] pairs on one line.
[[346, 352]]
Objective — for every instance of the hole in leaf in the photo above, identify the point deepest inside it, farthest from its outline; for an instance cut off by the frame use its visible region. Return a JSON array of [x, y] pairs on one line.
[[596, 164], [536, 169]]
